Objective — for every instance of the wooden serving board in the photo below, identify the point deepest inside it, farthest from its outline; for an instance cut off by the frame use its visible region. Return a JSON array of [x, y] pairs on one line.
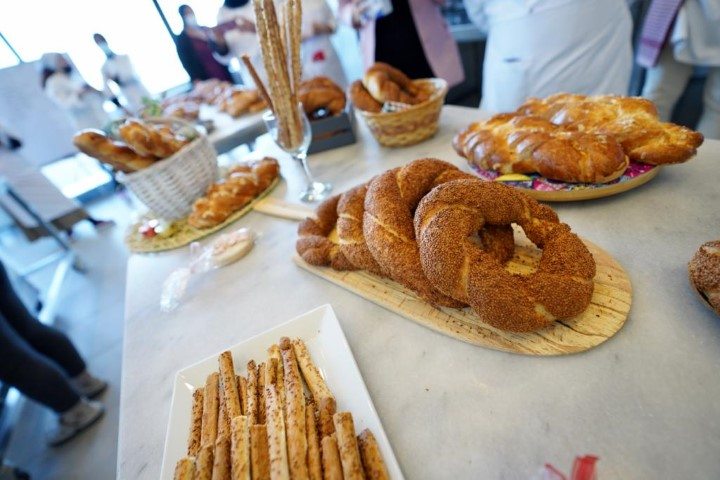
[[606, 314]]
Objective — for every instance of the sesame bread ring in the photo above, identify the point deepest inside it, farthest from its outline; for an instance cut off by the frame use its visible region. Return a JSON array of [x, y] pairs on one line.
[[350, 210], [316, 243], [445, 223], [704, 271], [388, 223]]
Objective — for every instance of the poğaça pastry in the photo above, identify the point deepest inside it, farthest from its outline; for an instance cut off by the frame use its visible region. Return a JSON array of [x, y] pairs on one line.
[[704, 269], [446, 235], [575, 138]]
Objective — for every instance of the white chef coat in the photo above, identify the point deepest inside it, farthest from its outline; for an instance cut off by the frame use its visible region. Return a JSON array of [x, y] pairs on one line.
[[696, 35], [85, 108], [119, 67], [318, 55], [541, 47]]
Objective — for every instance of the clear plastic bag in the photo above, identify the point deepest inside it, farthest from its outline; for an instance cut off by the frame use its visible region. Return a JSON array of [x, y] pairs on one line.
[[226, 249]]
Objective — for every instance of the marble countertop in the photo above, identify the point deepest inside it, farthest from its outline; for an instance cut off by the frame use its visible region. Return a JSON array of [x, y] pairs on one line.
[[645, 402]]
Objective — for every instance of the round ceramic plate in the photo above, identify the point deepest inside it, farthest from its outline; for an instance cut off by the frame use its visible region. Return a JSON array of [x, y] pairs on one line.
[[546, 190]]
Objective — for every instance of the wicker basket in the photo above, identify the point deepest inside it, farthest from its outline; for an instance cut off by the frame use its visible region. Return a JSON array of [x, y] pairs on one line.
[[170, 186], [413, 125]]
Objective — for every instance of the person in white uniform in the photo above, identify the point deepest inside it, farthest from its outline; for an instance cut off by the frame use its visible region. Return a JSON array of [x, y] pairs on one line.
[[319, 56], [536, 48], [119, 69], [69, 91], [694, 40]]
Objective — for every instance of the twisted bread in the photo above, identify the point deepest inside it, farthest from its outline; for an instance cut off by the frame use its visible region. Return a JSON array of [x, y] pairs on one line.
[[148, 140], [321, 92], [383, 89], [632, 121], [317, 243], [388, 223], [242, 185], [511, 143], [395, 75], [350, 210], [445, 224], [362, 99], [704, 269], [121, 157]]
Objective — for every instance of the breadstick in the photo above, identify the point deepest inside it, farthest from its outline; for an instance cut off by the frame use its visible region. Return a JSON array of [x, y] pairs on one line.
[[242, 391], [371, 457], [274, 352], [229, 385], [259, 455], [240, 452], [221, 460], [332, 468], [277, 447], [310, 372], [348, 446], [326, 409], [261, 392], [195, 422], [210, 411], [204, 463], [313, 442], [252, 406], [258, 83], [295, 40], [294, 413], [223, 419], [185, 469]]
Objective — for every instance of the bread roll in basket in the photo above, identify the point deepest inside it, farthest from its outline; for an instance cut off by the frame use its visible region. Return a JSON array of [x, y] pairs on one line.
[[412, 125]]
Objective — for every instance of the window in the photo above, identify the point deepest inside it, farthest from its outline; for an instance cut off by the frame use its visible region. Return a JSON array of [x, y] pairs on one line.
[[132, 27]]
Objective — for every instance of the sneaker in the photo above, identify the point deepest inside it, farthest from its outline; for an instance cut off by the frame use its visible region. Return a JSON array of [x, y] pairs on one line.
[[87, 385], [74, 421]]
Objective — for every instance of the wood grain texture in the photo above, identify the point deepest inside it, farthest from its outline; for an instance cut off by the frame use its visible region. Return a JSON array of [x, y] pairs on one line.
[[608, 310]]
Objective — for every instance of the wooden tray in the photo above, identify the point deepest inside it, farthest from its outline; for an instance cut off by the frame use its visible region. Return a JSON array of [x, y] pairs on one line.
[[185, 234], [606, 314], [576, 192]]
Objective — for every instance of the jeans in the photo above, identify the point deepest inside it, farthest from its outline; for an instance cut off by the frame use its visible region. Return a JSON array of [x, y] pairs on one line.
[[35, 358], [665, 83]]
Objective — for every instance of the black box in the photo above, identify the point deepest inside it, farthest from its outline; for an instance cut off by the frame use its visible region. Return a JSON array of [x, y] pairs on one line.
[[333, 132]]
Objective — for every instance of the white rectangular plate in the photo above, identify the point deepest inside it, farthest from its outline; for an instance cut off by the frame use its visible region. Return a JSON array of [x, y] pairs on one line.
[[330, 351]]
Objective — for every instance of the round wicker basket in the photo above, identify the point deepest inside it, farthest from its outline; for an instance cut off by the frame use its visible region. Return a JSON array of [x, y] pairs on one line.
[[413, 125], [169, 187]]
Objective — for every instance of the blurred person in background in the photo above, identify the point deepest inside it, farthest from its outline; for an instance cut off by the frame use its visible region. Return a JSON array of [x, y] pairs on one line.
[[67, 89], [44, 365], [235, 36], [536, 48], [413, 37], [195, 52], [675, 40], [119, 70]]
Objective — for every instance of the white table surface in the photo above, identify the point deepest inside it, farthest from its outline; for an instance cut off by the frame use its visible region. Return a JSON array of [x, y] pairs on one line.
[[647, 402], [230, 132]]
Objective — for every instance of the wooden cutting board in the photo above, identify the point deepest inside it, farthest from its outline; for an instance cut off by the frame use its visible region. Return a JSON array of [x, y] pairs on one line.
[[606, 314]]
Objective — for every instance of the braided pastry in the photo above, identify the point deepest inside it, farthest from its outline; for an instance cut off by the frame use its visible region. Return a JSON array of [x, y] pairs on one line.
[[121, 157], [362, 99], [240, 187], [511, 143], [704, 269], [445, 224], [632, 121], [388, 223], [317, 238], [148, 140]]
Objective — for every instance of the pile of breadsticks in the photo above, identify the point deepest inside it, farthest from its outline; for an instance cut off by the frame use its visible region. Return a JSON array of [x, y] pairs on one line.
[[280, 48], [263, 426]]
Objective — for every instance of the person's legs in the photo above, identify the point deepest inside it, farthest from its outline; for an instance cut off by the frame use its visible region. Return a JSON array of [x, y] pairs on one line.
[[33, 374], [710, 121], [43, 339], [665, 83]]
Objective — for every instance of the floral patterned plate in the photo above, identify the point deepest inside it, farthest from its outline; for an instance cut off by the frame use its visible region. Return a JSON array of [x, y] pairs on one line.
[[547, 190]]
